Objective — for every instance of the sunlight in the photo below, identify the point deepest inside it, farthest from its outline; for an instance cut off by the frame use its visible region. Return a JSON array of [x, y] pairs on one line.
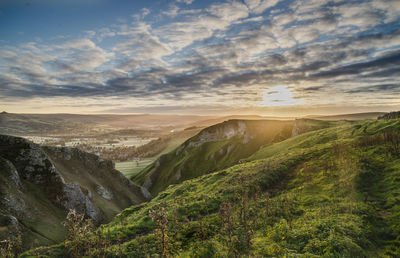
[[278, 96]]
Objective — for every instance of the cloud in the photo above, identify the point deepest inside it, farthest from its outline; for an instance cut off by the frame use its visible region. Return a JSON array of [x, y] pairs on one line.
[[172, 11], [230, 11], [145, 12], [179, 35], [259, 6], [78, 55], [378, 88], [358, 68], [390, 8], [360, 15], [143, 47], [185, 1], [224, 51], [104, 33]]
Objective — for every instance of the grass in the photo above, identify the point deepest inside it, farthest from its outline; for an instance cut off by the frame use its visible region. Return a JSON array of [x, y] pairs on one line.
[[190, 161], [131, 168], [333, 192]]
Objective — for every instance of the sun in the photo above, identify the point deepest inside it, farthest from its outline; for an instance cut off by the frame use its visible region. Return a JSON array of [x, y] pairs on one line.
[[278, 96]]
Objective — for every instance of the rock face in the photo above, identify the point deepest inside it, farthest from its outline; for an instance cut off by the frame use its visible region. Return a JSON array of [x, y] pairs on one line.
[[300, 126], [225, 131], [39, 185]]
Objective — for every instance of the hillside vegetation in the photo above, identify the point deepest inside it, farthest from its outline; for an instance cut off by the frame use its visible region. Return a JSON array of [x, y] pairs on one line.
[[39, 185], [148, 153], [218, 147], [329, 192]]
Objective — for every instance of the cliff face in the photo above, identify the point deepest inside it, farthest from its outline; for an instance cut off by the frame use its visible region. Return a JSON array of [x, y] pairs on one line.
[[39, 185], [224, 131]]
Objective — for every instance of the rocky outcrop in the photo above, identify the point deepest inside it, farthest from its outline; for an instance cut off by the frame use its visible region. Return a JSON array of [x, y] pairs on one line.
[[224, 131], [28, 161], [300, 126], [39, 185], [74, 199]]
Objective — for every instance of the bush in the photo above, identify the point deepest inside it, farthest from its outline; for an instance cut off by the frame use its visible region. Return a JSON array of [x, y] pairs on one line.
[[11, 247]]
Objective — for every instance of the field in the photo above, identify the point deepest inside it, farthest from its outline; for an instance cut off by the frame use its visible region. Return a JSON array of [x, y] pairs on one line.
[[131, 168], [95, 142]]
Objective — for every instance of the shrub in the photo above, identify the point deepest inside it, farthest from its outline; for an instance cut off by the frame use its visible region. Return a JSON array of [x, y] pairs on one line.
[[160, 218], [11, 247]]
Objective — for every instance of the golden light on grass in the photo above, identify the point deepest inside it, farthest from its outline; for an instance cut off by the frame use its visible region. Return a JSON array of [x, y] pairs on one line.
[[278, 96]]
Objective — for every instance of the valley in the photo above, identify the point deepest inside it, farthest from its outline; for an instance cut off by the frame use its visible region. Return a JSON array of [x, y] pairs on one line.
[[276, 187], [40, 184]]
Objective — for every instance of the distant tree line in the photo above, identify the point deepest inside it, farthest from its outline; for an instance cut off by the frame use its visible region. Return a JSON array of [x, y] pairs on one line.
[[390, 115], [126, 153]]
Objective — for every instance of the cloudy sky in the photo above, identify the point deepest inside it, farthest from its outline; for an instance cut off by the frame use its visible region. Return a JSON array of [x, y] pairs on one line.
[[268, 57]]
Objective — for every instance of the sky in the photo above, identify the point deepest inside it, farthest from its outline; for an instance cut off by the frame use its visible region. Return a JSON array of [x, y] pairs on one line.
[[266, 57]]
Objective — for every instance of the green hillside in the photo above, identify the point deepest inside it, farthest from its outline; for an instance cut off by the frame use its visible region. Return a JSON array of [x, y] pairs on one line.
[[332, 192], [39, 185], [163, 145], [218, 147]]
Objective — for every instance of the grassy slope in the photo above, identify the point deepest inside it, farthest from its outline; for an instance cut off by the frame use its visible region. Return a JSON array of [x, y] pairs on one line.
[[188, 162], [131, 169], [192, 161], [325, 193]]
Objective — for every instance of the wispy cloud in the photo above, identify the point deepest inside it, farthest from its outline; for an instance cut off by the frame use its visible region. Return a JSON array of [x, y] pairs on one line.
[[217, 53]]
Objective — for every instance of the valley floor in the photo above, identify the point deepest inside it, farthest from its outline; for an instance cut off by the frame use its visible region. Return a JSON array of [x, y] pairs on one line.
[[131, 168]]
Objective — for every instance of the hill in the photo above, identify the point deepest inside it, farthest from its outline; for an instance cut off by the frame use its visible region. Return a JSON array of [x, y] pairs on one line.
[[355, 116], [218, 147], [39, 185], [329, 192]]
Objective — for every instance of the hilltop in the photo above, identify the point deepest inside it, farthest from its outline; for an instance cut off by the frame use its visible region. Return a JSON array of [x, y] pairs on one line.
[[355, 116]]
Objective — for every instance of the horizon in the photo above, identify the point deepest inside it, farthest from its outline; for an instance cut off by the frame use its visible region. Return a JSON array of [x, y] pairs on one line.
[[243, 57], [199, 115]]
